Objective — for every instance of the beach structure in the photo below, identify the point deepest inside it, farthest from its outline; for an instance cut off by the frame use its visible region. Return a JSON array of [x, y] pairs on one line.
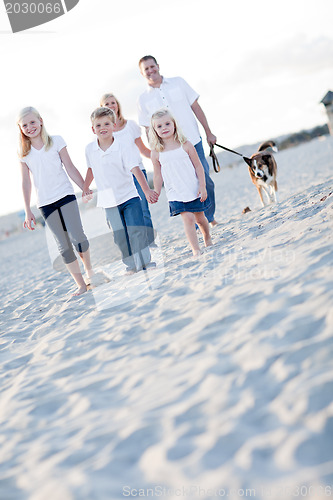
[[327, 101]]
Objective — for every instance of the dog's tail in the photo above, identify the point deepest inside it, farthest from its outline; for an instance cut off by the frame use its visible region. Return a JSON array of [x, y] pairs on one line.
[[268, 144]]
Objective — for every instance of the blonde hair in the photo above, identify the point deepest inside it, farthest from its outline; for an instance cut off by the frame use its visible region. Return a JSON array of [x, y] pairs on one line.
[[155, 140], [24, 141], [102, 111], [120, 118]]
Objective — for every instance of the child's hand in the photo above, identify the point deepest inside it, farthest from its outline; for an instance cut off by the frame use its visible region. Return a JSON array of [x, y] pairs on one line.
[[87, 195], [151, 196], [202, 193]]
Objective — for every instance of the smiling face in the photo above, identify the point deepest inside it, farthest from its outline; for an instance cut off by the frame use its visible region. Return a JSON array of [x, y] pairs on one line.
[[103, 128], [164, 127], [31, 125], [111, 103], [151, 71]]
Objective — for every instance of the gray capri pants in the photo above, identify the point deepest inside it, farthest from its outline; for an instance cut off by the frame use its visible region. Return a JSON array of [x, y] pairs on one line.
[[63, 219]]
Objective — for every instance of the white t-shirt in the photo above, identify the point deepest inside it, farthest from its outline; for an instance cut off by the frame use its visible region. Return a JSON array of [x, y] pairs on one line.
[[178, 96], [180, 180], [50, 178], [127, 137], [112, 173]]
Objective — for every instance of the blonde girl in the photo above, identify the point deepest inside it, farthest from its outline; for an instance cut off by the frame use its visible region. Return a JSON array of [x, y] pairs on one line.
[[44, 157], [176, 163], [129, 133]]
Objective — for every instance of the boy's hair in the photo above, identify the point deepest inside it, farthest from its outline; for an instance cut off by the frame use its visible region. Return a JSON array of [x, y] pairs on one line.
[[104, 98], [145, 58], [155, 141], [24, 141], [102, 111]]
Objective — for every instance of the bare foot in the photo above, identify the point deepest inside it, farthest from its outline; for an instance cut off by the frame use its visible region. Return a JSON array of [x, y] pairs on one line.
[[90, 273], [209, 243], [79, 291], [96, 279], [196, 253], [214, 223], [129, 272]]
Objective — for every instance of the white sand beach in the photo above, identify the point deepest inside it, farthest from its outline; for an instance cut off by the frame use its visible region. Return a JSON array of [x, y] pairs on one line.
[[207, 378]]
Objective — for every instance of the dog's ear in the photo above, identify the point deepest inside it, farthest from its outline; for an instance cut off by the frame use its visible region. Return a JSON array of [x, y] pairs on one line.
[[248, 161]]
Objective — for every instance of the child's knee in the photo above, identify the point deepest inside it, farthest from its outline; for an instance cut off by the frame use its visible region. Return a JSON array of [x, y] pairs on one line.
[[200, 218], [82, 246], [67, 254], [188, 217]]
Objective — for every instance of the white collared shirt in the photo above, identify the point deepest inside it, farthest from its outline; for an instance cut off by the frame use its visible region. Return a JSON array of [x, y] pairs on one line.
[[178, 96], [112, 173]]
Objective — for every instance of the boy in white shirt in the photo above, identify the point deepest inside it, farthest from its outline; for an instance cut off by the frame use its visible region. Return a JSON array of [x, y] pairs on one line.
[[112, 166]]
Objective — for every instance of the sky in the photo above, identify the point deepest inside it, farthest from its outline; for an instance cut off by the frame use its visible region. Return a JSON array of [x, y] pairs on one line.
[[261, 68]]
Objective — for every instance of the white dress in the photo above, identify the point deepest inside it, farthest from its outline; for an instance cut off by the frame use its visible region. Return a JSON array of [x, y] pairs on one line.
[[180, 180]]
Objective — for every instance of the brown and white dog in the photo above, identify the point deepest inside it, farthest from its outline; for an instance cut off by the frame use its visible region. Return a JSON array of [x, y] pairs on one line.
[[263, 171]]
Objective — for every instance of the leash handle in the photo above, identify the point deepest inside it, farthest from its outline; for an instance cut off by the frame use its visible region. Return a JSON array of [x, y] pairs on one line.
[[216, 165]]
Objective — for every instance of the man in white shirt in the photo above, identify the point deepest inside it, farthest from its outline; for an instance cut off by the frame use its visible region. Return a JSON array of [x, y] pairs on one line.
[[182, 100]]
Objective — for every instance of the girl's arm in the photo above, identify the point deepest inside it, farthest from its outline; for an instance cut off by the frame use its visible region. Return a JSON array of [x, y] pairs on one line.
[[72, 171], [151, 195], [142, 148], [158, 179], [26, 188], [199, 170], [86, 192]]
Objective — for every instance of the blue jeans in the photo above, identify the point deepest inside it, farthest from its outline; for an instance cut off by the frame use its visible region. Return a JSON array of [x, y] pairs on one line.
[[145, 208], [209, 213], [129, 233]]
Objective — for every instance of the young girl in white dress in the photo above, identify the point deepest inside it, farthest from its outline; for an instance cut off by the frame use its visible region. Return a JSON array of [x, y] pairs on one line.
[[176, 162], [47, 159], [129, 133]]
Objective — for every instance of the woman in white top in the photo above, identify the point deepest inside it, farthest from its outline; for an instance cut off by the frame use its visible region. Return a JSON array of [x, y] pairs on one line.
[[45, 158], [129, 133], [176, 163]]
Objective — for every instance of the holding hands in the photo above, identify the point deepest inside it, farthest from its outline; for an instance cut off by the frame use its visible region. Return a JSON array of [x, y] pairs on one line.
[[87, 195], [151, 195]]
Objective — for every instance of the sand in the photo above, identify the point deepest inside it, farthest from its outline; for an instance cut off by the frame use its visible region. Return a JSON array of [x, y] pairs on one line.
[[208, 378]]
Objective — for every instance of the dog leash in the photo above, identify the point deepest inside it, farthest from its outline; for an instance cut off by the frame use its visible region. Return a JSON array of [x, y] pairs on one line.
[[216, 165], [227, 149]]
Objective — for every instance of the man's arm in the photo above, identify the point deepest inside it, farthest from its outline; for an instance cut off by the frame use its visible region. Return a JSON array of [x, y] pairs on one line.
[[198, 111]]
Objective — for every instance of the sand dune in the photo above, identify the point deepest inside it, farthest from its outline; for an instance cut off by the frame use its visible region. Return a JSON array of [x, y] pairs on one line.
[[204, 378]]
